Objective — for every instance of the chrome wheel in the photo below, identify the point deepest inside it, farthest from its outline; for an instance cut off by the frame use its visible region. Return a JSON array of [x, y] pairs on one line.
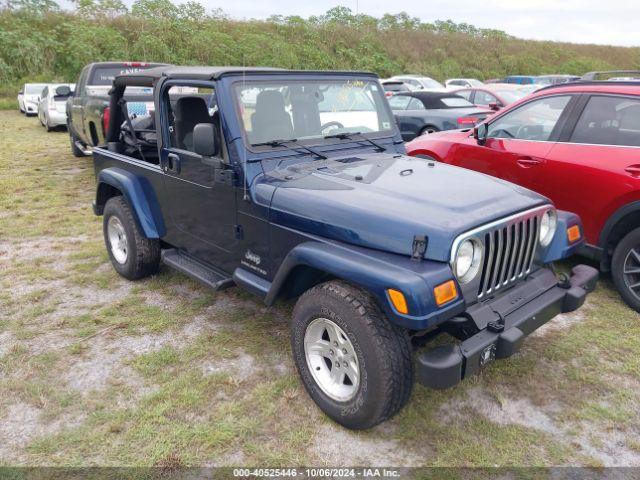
[[331, 359], [117, 240], [631, 271]]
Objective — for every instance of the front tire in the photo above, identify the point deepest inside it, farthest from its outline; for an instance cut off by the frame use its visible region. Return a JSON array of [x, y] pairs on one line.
[[132, 255], [625, 268], [353, 362]]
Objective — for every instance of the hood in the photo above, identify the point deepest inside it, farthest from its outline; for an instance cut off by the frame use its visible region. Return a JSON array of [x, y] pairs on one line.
[[382, 201]]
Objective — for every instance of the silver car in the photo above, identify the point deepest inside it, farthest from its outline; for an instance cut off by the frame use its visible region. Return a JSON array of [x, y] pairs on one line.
[[31, 93], [52, 107]]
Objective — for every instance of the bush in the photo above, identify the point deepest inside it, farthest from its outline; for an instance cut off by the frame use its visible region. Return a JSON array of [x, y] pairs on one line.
[[41, 42]]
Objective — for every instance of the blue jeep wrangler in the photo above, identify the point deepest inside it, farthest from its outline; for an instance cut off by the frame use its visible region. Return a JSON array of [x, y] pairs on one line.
[[295, 185]]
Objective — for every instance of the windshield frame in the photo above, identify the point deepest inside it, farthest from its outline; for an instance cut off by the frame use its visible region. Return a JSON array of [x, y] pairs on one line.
[[320, 141]]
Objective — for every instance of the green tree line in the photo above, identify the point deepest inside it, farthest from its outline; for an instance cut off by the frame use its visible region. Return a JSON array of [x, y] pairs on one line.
[[41, 42]]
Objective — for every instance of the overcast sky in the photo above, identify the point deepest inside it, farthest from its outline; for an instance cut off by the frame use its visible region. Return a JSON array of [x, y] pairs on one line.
[[613, 22]]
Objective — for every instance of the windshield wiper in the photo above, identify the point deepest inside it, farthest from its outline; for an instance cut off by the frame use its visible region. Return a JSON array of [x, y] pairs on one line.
[[292, 141], [349, 135]]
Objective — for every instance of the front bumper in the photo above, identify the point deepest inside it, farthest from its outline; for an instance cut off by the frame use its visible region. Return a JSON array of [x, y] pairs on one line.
[[31, 108], [503, 323]]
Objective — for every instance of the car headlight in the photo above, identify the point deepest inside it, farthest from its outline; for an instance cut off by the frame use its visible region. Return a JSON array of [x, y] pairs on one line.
[[548, 225], [467, 260]]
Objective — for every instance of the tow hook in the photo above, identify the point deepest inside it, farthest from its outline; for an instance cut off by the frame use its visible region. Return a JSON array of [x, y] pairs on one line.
[[563, 281]]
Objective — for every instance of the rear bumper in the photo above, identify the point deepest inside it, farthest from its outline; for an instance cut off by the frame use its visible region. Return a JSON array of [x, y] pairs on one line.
[[504, 323], [56, 118]]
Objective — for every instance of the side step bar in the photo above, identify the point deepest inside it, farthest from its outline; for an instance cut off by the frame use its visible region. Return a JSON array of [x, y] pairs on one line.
[[85, 150], [210, 276]]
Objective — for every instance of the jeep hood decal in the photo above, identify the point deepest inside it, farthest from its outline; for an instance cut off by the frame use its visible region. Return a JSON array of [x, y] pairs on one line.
[[382, 201]]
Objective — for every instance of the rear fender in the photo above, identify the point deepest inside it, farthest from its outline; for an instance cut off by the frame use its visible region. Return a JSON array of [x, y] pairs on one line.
[[139, 195]]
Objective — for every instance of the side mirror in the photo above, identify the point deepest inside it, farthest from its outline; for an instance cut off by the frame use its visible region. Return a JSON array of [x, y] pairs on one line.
[[206, 141], [494, 106], [21, 92], [480, 133], [63, 91]]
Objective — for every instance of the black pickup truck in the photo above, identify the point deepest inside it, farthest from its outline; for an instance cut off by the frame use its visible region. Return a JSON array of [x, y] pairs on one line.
[[296, 186], [87, 108]]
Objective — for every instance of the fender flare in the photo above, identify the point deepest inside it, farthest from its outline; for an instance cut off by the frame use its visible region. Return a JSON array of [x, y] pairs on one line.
[[139, 195], [613, 220], [376, 273]]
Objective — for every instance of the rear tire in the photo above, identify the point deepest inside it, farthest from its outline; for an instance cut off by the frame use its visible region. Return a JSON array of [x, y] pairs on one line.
[[133, 255], [625, 268], [335, 321], [74, 148]]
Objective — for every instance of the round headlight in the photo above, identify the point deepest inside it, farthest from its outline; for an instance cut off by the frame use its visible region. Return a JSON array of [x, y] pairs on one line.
[[467, 260], [548, 225]]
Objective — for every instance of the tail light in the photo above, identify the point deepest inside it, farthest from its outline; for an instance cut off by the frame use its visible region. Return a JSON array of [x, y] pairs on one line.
[[388, 94], [106, 115], [466, 122], [135, 64]]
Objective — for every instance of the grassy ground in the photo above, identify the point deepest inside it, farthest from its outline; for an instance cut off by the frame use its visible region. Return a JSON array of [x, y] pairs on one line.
[[95, 370]]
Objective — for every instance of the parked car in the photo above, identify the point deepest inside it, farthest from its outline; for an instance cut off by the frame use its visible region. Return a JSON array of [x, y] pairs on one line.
[[52, 107], [86, 115], [577, 144], [391, 87], [494, 96], [283, 198], [21, 100], [454, 83], [611, 75], [520, 79], [30, 98], [418, 113], [556, 79], [420, 82]]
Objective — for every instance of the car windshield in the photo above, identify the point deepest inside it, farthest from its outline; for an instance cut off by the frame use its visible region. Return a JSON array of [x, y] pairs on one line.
[[34, 88], [106, 75], [431, 83], [510, 96], [475, 83], [455, 102], [311, 109]]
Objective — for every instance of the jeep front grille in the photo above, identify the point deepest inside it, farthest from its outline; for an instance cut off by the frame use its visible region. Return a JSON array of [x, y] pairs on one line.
[[509, 253]]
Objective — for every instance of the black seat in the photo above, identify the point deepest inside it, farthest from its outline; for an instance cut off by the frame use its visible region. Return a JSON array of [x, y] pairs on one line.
[[189, 112], [270, 121]]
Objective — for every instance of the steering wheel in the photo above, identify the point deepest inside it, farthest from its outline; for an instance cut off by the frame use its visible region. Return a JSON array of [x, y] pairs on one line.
[[507, 133], [331, 124], [524, 133]]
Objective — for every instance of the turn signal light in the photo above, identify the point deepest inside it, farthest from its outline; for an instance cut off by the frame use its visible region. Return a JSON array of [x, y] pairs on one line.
[[445, 292], [398, 301], [573, 234]]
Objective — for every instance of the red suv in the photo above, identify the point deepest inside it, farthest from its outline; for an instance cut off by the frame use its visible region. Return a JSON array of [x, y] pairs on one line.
[[578, 144]]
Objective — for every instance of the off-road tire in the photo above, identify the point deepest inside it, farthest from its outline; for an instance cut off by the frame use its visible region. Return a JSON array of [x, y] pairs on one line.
[[383, 351], [143, 255], [74, 148], [622, 250]]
